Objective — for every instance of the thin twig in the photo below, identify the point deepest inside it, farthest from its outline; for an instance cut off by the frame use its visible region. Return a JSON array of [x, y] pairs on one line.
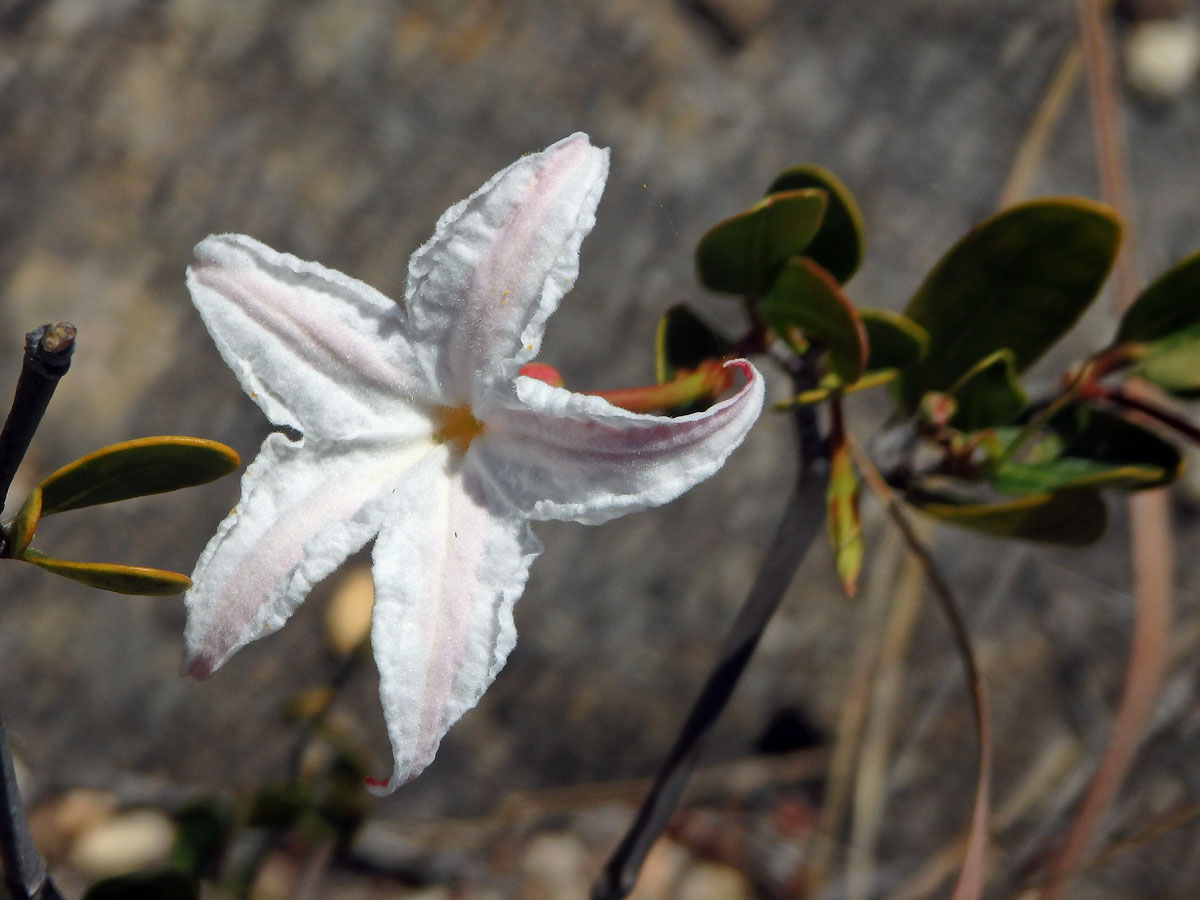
[[870, 782], [1144, 403], [802, 522], [1033, 145], [47, 357], [1151, 546], [972, 876], [888, 574], [24, 868]]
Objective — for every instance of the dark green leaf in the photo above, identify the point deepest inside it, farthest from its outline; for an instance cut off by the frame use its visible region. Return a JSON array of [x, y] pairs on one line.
[[988, 394], [683, 341], [113, 576], [893, 341], [838, 246], [742, 254], [1019, 280], [1173, 362], [134, 469], [806, 297], [1105, 437], [1170, 304], [1071, 472], [1073, 518]]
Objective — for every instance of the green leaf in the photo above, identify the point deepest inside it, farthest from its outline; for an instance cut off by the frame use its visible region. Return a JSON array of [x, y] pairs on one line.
[[683, 341], [806, 297], [113, 576], [838, 246], [1073, 518], [988, 394], [1070, 472], [1173, 363], [893, 341], [1019, 280], [1105, 437], [841, 517], [26, 523], [136, 468], [831, 385], [1169, 305], [742, 254]]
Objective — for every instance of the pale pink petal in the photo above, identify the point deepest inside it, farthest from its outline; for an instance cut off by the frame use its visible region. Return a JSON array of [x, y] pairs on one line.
[[449, 564], [560, 455], [317, 350], [480, 291], [304, 508]]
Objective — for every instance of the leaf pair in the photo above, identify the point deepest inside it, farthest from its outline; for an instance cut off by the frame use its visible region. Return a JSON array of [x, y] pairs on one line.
[[122, 471], [993, 305], [789, 254]]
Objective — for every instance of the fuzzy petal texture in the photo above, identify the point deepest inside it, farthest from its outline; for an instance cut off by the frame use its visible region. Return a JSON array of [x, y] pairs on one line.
[[448, 567], [480, 290], [317, 350], [560, 455], [305, 507]]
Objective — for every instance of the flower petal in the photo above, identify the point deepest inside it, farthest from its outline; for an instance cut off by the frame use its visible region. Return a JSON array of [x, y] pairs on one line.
[[448, 567], [317, 350], [480, 291], [572, 456], [305, 507]]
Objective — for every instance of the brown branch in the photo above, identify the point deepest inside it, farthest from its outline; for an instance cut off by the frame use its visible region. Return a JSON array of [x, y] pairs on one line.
[[1151, 546]]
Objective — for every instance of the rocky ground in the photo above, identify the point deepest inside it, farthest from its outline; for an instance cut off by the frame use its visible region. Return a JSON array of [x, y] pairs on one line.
[[339, 130]]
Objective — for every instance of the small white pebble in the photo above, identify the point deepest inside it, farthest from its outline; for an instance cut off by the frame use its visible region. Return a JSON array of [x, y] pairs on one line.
[[714, 881], [1161, 57], [127, 842]]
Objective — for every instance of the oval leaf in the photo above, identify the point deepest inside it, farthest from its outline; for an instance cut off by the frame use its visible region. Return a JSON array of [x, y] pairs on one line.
[[1073, 518], [989, 394], [893, 341], [806, 297], [1173, 363], [742, 254], [838, 246], [136, 468], [1105, 437], [1170, 304], [113, 576], [26, 523], [1069, 472], [683, 341], [1019, 280]]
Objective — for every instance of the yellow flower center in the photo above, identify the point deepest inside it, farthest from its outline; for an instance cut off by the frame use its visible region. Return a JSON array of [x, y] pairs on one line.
[[458, 426]]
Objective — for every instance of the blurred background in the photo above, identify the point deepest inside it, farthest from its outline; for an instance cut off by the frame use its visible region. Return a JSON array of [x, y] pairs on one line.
[[339, 130]]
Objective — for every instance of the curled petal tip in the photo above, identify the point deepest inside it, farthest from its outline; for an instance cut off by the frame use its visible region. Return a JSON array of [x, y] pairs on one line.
[[198, 667], [748, 371], [380, 787]]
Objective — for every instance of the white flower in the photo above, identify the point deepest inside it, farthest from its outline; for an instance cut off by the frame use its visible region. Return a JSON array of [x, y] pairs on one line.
[[417, 431]]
